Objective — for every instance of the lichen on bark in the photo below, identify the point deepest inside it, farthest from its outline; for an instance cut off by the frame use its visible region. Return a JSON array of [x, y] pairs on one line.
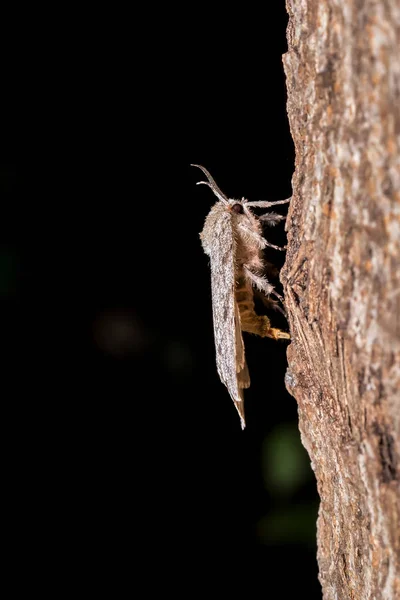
[[342, 282]]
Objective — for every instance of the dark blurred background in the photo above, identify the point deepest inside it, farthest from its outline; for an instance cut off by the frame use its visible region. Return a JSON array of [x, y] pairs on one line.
[[155, 479]]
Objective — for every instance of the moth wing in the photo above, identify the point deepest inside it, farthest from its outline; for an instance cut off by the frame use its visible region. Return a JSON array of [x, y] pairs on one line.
[[230, 357]]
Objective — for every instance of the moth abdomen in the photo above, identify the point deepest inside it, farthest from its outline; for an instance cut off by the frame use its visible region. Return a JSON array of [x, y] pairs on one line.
[[243, 296]]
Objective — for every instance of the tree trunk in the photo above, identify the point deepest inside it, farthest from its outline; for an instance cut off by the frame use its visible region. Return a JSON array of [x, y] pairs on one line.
[[342, 282]]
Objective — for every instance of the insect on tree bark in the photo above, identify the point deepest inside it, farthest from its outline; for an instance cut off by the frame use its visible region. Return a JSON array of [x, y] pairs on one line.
[[232, 238]]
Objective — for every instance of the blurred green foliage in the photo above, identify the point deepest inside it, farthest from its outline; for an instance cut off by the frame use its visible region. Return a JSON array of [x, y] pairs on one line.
[[287, 476], [286, 465]]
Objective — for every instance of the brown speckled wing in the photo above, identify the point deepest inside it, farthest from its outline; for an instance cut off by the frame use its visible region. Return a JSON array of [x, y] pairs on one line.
[[231, 362]]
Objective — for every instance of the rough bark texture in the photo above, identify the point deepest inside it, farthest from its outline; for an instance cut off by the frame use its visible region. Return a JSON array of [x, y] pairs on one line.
[[342, 282]]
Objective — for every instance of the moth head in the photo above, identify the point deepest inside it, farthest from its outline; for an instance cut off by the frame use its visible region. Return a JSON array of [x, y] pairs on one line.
[[237, 208]]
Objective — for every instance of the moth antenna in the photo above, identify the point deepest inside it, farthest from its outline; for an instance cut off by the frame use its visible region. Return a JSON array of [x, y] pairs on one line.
[[211, 184]]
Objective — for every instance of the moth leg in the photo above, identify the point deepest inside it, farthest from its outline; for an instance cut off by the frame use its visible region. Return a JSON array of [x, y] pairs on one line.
[[249, 320], [260, 325], [271, 218], [261, 283], [265, 204], [261, 242], [269, 303]]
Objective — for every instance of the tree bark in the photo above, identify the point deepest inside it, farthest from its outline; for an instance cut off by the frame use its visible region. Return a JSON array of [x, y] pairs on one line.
[[342, 282]]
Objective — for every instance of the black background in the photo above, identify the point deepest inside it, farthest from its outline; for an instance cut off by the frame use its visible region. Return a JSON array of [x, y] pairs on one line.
[[155, 484]]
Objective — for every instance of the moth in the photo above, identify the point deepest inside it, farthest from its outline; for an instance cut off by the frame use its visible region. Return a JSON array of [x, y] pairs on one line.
[[232, 238]]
